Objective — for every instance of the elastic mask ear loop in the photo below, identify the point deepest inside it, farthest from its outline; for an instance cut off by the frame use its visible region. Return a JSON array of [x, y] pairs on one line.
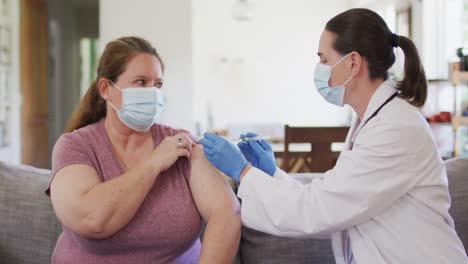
[[350, 78], [115, 85], [111, 104], [340, 60]]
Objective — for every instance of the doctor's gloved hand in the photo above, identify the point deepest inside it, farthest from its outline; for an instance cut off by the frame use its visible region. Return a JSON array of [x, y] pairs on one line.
[[258, 152], [224, 155]]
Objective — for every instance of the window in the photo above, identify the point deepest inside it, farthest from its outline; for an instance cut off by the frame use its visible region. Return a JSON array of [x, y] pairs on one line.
[[88, 50]]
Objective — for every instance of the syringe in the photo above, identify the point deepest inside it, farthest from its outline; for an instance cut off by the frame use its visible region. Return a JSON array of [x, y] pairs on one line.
[[245, 139]]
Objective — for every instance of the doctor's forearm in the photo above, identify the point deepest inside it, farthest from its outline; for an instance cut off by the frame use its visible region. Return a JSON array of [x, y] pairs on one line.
[[271, 213], [221, 238]]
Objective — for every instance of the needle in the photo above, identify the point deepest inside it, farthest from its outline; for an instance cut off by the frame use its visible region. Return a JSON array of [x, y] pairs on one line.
[[245, 139]]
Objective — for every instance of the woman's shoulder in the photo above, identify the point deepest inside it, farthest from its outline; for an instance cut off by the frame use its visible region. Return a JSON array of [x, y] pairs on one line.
[[81, 136], [162, 131], [165, 129]]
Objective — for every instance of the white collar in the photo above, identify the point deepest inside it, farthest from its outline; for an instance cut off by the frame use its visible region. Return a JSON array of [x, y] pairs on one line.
[[383, 92]]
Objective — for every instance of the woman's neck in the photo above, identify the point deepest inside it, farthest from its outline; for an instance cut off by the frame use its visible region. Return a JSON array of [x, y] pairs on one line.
[[123, 137], [362, 95]]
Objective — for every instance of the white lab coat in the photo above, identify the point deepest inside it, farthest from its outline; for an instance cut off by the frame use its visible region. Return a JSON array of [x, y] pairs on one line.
[[385, 201]]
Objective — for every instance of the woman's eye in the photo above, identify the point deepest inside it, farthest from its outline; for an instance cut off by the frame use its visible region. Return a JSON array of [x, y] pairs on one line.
[[159, 84]]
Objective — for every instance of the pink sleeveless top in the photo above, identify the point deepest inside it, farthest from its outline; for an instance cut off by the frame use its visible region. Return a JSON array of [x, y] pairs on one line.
[[165, 228]]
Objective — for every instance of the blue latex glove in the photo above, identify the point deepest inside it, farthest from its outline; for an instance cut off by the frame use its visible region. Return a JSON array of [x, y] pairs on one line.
[[259, 153], [223, 155]]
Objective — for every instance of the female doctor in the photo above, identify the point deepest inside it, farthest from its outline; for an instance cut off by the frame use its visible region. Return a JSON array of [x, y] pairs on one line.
[[386, 200]]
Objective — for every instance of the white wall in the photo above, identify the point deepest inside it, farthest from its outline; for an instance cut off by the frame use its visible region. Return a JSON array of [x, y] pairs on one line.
[[437, 29], [167, 25], [442, 34], [437, 33], [261, 71], [12, 154]]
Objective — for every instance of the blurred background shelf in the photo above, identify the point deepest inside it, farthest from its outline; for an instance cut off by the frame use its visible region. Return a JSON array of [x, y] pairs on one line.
[[459, 122], [459, 76]]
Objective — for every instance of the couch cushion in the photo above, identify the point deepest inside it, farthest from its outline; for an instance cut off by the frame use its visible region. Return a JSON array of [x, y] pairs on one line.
[[457, 173], [28, 226], [258, 248]]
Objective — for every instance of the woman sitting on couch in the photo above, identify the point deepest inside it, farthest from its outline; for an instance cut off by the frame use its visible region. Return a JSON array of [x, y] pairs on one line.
[[128, 190]]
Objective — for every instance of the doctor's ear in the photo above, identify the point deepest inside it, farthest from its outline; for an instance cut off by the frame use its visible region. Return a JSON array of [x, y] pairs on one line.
[[355, 63]]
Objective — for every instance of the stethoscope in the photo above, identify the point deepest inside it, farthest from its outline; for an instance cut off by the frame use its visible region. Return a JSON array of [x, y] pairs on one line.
[[374, 115]]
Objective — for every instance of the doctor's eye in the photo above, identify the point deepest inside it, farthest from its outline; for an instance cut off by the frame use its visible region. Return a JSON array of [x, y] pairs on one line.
[[159, 84]]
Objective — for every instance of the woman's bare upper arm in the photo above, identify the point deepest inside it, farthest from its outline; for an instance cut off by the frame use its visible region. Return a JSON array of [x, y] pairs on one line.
[[209, 188], [66, 189]]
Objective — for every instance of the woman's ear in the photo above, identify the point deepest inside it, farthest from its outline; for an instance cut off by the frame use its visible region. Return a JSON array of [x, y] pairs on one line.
[[103, 87], [356, 63]]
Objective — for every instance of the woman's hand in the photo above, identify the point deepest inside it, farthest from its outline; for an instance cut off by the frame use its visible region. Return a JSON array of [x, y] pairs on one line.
[[170, 150]]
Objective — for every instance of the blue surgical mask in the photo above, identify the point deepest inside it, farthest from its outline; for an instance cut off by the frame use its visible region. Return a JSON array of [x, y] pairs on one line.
[[141, 107], [335, 94]]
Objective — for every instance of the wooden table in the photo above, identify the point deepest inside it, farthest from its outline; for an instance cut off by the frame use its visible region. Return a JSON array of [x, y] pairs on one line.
[[443, 135], [300, 149]]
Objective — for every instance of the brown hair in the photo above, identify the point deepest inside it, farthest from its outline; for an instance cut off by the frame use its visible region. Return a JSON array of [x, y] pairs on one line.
[[112, 63], [365, 32]]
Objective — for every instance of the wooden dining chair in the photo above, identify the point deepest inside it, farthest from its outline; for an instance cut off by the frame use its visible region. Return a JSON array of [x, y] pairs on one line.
[[320, 158]]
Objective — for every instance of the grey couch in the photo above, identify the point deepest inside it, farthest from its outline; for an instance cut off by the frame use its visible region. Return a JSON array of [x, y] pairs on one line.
[[29, 228], [457, 171]]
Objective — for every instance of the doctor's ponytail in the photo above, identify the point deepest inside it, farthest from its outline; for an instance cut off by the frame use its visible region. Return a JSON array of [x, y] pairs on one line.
[[413, 87], [365, 32]]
